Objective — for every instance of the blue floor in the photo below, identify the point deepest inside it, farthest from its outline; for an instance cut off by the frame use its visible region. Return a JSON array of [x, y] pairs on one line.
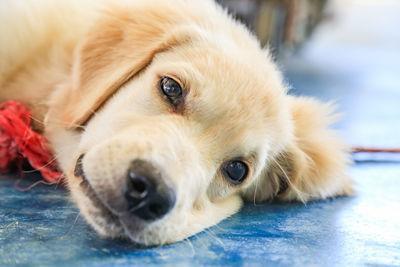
[[41, 227], [349, 60]]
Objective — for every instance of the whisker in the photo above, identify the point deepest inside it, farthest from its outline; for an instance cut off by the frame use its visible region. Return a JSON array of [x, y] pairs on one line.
[[220, 228], [209, 231], [39, 121], [255, 192], [191, 246], [298, 192], [17, 187], [75, 221], [199, 238], [42, 167]]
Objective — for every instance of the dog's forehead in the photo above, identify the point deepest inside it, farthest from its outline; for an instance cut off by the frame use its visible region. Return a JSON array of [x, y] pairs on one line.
[[234, 84]]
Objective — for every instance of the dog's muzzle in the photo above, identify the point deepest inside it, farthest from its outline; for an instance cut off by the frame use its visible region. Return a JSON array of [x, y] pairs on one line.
[[146, 194]]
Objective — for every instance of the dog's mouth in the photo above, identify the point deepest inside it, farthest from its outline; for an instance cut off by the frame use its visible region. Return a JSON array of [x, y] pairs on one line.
[[88, 189], [95, 200], [129, 226], [91, 194]]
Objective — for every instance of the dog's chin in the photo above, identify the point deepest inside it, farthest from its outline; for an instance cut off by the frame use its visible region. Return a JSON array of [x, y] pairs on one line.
[[104, 221], [96, 213]]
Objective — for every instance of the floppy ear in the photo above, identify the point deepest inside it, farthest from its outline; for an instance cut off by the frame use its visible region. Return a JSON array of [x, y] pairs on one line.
[[121, 44], [313, 165]]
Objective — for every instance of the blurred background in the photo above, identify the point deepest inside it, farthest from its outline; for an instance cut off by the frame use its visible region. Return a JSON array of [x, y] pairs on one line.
[[347, 51], [280, 24]]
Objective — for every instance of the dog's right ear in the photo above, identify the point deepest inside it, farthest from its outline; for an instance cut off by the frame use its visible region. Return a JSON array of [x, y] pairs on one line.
[[121, 43], [313, 165]]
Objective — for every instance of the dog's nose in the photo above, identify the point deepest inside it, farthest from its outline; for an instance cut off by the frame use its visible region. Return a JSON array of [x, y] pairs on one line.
[[148, 196]]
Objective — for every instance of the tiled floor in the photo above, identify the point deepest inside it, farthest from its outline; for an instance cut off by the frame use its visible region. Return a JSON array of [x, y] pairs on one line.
[[353, 59]]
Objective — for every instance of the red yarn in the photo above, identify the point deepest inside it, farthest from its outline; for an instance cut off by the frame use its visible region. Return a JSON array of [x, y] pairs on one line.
[[18, 142]]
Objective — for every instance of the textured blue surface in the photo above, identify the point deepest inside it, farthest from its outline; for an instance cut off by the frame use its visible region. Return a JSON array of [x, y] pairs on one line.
[[41, 227], [360, 71]]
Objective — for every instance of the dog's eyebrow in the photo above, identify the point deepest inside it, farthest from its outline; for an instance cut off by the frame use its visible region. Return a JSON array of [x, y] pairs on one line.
[[257, 159], [253, 159]]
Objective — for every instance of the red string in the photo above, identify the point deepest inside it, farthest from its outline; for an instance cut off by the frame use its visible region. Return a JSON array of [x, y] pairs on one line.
[[18, 142], [24, 189], [375, 150]]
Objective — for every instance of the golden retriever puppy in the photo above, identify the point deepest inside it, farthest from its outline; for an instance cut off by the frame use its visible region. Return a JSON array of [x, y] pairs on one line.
[[164, 115]]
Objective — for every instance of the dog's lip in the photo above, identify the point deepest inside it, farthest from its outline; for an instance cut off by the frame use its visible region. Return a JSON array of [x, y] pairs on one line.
[[89, 190], [92, 195], [78, 171], [97, 201], [121, 219]]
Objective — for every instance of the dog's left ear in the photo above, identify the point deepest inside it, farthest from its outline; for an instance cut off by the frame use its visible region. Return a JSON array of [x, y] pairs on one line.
[[314, 163], [121, 44]]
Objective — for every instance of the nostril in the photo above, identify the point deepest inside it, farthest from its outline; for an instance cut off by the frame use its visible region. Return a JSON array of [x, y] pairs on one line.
[[138, 187], [156, 209]]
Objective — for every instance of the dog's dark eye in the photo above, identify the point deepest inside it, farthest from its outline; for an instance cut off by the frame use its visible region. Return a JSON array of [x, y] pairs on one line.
[[170, 88], [235, 171]]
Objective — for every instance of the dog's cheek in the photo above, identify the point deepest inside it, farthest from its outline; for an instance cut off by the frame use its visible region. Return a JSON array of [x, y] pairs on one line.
[[185, 224], [219, 189], [211, 213]]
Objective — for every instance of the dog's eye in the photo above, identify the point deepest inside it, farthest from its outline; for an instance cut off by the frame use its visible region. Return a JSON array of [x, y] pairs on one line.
[[235, 171], [170, 88]]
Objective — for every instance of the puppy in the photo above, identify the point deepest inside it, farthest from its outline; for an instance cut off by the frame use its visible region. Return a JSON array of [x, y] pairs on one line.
[[164, 115]]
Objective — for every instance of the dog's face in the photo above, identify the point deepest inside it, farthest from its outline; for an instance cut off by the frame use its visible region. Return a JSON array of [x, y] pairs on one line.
[[190, 124], [168, 155]]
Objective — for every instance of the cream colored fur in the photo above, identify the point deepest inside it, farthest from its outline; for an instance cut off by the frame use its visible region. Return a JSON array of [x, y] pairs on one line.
[[89, 70]]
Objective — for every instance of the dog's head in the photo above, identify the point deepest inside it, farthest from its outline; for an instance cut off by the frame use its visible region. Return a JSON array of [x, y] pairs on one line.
[[182, 112]]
